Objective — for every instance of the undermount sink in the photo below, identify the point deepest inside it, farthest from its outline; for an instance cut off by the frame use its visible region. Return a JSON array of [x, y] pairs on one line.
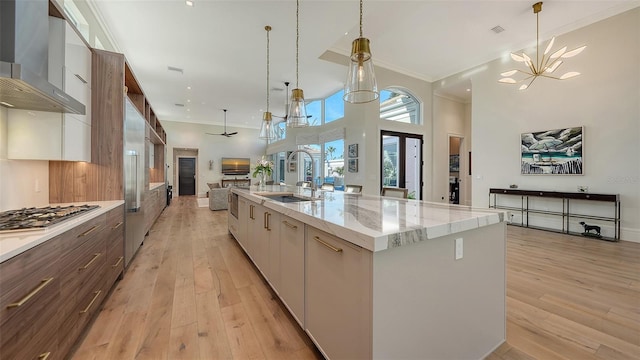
[[286, 198]]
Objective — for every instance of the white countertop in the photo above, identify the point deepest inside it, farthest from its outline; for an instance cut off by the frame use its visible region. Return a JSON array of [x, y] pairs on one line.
[[373, 222], [16, 242], [155, 185]]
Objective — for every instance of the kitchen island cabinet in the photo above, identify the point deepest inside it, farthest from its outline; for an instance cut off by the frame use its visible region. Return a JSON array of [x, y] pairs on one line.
[[382, 278], [54, 281]]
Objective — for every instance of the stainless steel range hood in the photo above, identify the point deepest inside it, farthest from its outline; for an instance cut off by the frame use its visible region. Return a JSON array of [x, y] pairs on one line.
[[24, 53]]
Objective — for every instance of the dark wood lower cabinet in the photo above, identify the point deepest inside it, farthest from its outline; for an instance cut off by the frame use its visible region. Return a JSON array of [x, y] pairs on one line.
[[50, 293]]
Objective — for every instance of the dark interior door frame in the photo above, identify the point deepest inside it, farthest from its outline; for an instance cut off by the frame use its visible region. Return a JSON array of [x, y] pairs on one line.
[[186, 175], [402, 157]]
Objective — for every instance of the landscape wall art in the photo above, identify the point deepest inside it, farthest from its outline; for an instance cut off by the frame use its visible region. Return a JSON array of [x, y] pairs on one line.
[[552, 152]]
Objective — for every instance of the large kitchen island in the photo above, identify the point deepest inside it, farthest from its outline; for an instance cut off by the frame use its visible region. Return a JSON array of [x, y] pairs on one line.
[[372, 277]]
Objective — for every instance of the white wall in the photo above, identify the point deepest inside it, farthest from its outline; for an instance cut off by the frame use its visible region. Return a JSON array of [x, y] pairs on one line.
[[605, 99], [210, 147], [23, 183]]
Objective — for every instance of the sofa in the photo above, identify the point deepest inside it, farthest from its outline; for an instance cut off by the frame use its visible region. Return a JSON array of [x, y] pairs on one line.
[[218, 197]]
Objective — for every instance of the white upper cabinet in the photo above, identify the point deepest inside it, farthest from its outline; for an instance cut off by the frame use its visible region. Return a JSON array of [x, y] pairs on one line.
[[38, 135]]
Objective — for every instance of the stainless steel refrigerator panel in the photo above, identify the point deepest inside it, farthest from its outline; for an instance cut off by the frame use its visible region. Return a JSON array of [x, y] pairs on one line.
[[134, 126]]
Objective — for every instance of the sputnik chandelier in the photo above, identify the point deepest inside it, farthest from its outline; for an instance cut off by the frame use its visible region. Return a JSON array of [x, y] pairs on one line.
[[544, 66]]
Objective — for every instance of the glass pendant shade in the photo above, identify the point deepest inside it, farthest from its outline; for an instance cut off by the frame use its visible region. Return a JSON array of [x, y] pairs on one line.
[[297, 116], [267, 132], [361, 86]]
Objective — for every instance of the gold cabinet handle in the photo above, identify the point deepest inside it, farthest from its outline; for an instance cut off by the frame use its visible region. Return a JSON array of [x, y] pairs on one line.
[[44, 356], [95, 256], [288, 224], [336, 249], [95, 297], [88, 231], [117, 263], [268, 221], [117, 225], [251, 212], [264, 220], [31, 294]]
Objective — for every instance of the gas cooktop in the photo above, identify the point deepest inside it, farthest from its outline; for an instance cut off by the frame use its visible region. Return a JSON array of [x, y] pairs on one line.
[[40, 218]]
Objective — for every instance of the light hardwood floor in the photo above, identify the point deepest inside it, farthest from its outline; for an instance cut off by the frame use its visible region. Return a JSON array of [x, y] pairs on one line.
[[191, 293]]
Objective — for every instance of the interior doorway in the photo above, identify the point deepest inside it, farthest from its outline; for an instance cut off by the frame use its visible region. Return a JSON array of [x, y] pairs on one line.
[[186, 176], [456, 161], [401, 162]]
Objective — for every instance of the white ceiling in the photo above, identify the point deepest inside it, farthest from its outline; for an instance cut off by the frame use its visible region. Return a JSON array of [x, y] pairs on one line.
[[221, 45]]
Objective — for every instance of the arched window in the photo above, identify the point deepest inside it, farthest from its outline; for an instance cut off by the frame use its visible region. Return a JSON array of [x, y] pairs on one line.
[[399, 105]]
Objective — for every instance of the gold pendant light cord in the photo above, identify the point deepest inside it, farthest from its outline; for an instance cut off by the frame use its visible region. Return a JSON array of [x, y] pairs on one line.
[[537, 41], [360, 18], [268, 28], [297, 38]]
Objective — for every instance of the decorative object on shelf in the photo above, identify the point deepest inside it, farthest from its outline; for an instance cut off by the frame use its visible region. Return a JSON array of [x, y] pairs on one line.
[[588, 228], [555, 152], [262, 169], [353, 150], [544, 66], [225, 133], [353, 165], [297, 114], [361, 86], [266, 129], [454, 163]]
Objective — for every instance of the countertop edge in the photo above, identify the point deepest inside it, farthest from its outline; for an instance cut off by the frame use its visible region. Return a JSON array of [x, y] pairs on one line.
[[13, 244], [381, 242]]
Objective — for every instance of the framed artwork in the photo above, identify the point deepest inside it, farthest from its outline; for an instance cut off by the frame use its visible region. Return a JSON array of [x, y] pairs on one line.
[[353, 165], [454, 163], [552, 152], [353, 150]]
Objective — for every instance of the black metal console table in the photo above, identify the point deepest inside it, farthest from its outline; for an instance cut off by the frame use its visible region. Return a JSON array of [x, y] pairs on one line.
[[566, 213]]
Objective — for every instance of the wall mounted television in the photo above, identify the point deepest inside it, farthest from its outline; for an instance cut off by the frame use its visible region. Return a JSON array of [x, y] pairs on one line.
[[236, 166]]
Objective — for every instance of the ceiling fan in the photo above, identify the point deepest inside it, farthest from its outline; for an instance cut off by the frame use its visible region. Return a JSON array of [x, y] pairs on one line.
[[225, 133]]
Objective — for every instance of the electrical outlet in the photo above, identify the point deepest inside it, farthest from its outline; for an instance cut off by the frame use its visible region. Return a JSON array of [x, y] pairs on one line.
[[459, 248], [582, 188]]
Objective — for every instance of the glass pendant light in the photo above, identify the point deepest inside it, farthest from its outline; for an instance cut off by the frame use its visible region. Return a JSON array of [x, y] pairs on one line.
[[266, 129], [297, 115], [361, 86]]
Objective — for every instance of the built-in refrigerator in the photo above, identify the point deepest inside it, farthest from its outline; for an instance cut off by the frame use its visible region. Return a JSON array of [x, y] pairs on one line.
[[133, 169]]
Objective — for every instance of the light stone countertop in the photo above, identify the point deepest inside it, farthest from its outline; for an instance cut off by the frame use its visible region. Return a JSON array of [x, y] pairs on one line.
[[16, 242], [373, 222], [155, 185]]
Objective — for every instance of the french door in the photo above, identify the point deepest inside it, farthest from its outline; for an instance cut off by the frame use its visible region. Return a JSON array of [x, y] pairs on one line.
[[401, 161]]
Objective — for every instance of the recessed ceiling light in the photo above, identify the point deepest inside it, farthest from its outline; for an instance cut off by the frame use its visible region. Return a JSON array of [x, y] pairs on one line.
[[346, 33], [468, 89], [188, 87], [189, 2], [188, 100], [190, 109]]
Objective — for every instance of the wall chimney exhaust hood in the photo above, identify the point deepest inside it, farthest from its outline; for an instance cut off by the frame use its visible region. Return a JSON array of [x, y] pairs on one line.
[[24, 55]]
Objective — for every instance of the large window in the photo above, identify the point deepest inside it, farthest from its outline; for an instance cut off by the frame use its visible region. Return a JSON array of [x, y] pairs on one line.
[[334, 163], [334, 107], [399, 105]]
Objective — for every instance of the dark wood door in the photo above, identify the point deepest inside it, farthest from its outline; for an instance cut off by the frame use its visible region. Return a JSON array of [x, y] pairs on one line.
[[187, 176]]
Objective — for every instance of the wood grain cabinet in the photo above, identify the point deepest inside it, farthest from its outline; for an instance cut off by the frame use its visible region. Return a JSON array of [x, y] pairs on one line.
[[83, 259], [30, 303], [338, 280], [115, 245], [153, 204], [291, 266], [51, 292]]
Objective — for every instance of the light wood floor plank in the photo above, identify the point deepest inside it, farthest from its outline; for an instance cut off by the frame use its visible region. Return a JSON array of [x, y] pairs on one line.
[[191, 292]]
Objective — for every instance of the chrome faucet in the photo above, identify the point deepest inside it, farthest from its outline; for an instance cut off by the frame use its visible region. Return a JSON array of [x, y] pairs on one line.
[[313, 173]]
